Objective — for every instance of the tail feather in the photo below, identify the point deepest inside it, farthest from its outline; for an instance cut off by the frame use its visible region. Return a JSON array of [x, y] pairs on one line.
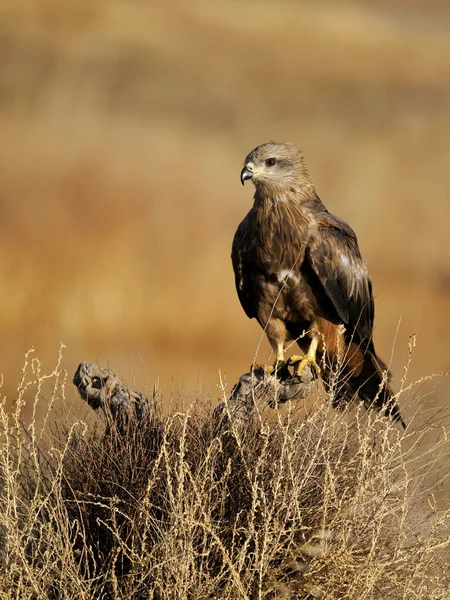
[[372, 387]]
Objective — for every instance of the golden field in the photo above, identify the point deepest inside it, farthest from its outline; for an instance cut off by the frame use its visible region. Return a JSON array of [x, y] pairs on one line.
[[124, 127]]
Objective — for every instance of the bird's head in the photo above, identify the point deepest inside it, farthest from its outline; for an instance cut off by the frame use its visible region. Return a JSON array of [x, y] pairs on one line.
[[277, 168]]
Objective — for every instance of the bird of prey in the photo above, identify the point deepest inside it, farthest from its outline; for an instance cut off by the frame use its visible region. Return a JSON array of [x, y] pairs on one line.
[[299, 272]]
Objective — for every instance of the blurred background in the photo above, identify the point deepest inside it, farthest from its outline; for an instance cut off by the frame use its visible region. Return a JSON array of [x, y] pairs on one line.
[[124, 126]]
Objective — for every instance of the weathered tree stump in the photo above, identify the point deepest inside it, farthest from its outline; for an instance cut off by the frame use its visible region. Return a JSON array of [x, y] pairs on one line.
[[103, 389], [256, 389]]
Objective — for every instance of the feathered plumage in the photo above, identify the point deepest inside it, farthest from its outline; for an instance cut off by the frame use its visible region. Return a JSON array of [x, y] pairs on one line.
[[298, 269]]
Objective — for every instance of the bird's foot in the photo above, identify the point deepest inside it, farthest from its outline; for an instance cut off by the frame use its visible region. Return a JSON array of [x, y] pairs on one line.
[[301, 362], [279, 369]]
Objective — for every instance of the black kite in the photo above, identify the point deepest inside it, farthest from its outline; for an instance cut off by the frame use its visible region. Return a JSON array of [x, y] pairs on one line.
[[299, 272]]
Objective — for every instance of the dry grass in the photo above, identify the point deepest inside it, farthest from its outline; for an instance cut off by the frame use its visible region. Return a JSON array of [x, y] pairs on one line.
[[181, 506]]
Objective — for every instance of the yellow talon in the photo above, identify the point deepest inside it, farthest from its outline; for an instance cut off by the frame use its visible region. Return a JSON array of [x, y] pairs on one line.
[[279, 365], [300, 362]]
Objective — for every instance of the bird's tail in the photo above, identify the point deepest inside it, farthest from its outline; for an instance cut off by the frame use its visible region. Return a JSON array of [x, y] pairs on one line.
[[372, 387]]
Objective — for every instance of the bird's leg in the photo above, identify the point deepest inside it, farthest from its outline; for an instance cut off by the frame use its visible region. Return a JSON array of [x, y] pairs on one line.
[[276, 334], [279, 363], [300, 362]]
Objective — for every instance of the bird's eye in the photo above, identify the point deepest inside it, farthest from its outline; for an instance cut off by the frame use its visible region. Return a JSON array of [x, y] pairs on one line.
[[270, 162]]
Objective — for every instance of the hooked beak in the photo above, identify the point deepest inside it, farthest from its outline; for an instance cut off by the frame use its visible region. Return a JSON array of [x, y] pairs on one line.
[[247, 173]]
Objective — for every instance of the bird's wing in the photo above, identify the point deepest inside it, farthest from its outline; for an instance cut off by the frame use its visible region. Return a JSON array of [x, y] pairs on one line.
[[334, 256], [242, 270]]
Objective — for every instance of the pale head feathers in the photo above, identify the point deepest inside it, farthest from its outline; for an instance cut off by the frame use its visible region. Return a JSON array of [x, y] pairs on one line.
[[278, 169]]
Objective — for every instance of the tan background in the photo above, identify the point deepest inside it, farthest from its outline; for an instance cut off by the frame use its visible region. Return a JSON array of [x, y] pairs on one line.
[[124, 125]]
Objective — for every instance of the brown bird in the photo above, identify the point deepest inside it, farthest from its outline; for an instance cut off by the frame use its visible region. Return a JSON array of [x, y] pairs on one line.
[[299, 272]]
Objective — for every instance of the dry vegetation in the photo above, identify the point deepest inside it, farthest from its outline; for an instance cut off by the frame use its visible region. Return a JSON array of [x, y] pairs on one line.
[[190, 507]]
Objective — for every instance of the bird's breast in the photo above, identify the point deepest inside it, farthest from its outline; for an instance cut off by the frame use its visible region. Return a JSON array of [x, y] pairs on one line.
[[279, 251]]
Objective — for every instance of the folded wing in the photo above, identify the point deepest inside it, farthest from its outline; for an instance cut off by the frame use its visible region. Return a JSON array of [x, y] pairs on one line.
[[334, 256]]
